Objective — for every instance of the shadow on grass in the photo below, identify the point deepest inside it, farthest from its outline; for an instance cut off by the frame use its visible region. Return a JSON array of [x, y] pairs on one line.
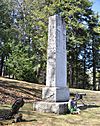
[[28, 120], [4, 112], [12, 89], [88, 106]]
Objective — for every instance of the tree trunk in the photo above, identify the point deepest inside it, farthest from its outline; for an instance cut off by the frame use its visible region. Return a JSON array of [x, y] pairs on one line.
[[1, 65], [94, 66], [76, 68], [84, 70], [71, 74]]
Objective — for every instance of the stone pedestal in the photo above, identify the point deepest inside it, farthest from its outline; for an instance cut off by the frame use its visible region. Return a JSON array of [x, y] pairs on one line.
[[51, 107], [55, 93]]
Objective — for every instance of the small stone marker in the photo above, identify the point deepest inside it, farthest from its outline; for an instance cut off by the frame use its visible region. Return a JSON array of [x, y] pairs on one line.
[[56, 93]]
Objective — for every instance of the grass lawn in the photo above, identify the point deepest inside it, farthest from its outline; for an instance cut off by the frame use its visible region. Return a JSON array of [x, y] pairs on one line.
[[11, 89]]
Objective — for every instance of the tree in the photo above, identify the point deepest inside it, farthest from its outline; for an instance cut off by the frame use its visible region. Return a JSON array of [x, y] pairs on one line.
[[29, 35], [95, 43], [5, 27]]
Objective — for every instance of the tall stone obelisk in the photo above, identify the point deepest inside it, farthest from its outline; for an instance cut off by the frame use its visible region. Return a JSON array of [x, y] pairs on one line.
[[56, 93]]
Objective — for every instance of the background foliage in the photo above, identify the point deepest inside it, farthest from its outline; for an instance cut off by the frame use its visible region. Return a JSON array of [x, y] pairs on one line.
[[24, 36]]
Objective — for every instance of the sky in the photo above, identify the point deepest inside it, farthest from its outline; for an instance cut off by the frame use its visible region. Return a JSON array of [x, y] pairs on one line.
[[96, 5]]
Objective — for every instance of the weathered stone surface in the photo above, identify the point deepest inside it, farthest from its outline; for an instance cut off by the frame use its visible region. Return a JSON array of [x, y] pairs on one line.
[[56, 89], [55, 93], [56, 53], [51, 107]]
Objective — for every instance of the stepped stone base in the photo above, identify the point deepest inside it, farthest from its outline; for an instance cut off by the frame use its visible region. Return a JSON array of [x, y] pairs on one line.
[[55, 94], [51, 107]]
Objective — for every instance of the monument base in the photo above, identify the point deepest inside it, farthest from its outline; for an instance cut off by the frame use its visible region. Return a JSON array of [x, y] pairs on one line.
[[51, 107], [55, 94]]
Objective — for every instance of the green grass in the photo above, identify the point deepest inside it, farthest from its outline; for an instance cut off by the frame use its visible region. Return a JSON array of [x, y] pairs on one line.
[[89, 116]]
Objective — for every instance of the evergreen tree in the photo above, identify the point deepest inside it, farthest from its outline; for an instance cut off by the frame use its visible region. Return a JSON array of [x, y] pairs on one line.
[[95, 43], [28, 38], [5, 27]]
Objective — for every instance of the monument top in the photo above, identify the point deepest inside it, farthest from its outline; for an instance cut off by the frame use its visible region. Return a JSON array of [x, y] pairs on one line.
[[56, 53]]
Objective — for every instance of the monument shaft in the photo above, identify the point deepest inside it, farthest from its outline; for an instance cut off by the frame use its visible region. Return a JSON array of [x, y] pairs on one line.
[[55, 94], [56, 89], [56, 53]]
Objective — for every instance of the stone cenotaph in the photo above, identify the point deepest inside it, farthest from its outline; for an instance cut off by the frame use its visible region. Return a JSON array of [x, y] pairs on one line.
[[56, 93]]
